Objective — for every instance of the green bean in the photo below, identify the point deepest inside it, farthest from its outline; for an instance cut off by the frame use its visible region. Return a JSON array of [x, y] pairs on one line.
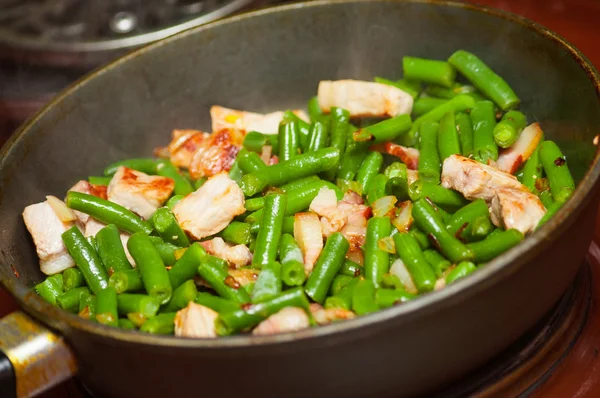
[[166, 252], [126, 324], [254, 141], [303, 129], [340, 122], [199, 182], [69, 300], [173, 201], [187, 266], [459, 103], [87, 306], [107, 212], [288, 139], [86, 259], [160, 324], [292, 266], [495, 244], [532, 170], [94, 180], [444, 198], [369, 169], [427, 220], [485, 79], [250, 161], [386, 298], [182, 185], [299, 184], [343, 298], [268, 284], [292, 274], [338, 283], [429, 71], [508, 130], [319, 136], [152, 269], [72, 278], [300, 166], [236, 173], [329, 263], [463, 269], [213, 272], [106, 307], [363, 297], [137, 303], [353, 157], [483, 119], [230, 322], [314, 111], [215, 303], [449, 93], [411, 88], [410, 253], [478, 229], [185, 293], [467, 215], [145, 165], [448, 142], [168, 228], [267, 240], [552, 209], [350, 268], [377, 262], [384, 131], [51, 288], [397, 186], [557, 170], [396, 169], [425, 104], [377, 188], [391, 281], [465, 134], [437, 262], [126, 281], [237, 233], [430, 167], [420, 237]]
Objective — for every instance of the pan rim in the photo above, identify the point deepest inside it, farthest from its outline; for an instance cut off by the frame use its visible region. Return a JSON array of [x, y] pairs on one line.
[[496, 270]]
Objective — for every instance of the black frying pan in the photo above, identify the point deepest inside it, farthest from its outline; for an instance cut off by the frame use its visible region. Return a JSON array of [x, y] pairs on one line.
[[273, 60]]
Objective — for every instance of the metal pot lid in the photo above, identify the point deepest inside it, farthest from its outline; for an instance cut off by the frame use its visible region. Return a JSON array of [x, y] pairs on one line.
[[76, 26]]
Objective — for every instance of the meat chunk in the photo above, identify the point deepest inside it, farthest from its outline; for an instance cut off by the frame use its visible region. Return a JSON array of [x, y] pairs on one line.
[[195, 321], [211, 208], [244, 276], [325, 205], [518, 209], [225, 118], [408, 156], [309, 235], [217, 153], [184, 145], [325, 316], [364, 99], [46, 229], [139, 192], [288, 319], [88, 189], [512, 158], [237, 255], [475, 180]]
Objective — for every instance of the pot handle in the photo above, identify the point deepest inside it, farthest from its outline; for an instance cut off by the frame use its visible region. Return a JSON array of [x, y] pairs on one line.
[[32, 358]]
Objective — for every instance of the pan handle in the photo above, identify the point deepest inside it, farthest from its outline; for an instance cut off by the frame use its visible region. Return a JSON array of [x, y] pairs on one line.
[[32, 358]]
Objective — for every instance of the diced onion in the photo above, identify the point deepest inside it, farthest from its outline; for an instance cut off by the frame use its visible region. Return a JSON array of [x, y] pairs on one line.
[[399, 269], [309, 235], [383, 206], [179, 253], [356, 256], [61, 210], [404, 219], [387, 245], [266, 153]]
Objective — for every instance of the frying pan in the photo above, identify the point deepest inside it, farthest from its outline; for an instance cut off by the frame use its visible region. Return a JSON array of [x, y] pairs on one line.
[[268, 60]]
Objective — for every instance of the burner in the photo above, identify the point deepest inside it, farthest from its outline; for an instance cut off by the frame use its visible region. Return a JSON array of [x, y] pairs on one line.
[[80, 25]]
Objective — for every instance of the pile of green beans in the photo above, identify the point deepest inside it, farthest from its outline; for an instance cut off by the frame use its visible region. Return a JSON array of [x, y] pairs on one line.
[[461, 107]]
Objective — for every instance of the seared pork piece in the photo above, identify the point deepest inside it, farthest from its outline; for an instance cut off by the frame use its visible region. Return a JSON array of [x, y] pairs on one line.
[[216, 154], [364, 99], [408, 156], [244, 276], [139, 192], [88, 189], [516, 209], [288, 319], [195, 321], [237, 255], [184, 145], [475, 180], [324, 316], [512, 158], [46, 229], [211, 208], [225, 118]]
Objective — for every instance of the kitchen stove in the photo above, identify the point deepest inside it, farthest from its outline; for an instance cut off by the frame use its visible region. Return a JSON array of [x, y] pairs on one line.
[[45, 45]]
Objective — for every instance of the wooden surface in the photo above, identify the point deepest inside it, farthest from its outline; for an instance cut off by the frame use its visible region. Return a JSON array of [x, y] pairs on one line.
[[579, 374]]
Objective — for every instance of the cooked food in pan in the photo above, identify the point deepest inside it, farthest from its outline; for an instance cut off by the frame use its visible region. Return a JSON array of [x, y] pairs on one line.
[[382, 192]]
